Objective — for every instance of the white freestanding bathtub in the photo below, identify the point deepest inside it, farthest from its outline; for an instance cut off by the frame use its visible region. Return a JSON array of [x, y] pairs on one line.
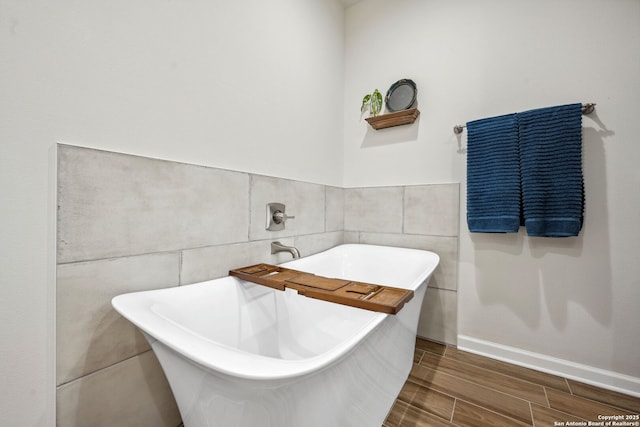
[[241, 354]]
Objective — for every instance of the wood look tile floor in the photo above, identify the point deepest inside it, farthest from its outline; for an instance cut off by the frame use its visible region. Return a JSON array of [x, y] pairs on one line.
[[450, 387]]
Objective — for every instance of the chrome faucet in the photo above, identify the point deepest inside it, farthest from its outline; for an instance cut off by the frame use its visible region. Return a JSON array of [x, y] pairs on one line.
[[279, 247]]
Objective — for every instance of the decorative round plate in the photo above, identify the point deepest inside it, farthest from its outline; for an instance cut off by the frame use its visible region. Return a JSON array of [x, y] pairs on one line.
[[401, 95]]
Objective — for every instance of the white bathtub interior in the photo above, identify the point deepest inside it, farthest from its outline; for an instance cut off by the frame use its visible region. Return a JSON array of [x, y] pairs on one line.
[[251, 354], [261, 321]]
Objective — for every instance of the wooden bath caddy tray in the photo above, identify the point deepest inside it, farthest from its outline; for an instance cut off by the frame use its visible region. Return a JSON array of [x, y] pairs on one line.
[[356, 294]]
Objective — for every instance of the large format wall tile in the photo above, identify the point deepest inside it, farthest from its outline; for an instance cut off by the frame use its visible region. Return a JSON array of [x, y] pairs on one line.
[[373, 209], [438, 318], [134, 392], [334, 209], [351, 237], [114, 204], [90, 333], [303, 200], [314, 243], [446, 274], [208, 263], [194, 224], [421, 217], [432, 209]]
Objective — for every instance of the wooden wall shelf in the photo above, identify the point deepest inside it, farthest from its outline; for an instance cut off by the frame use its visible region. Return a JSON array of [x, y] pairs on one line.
[[404, 117]]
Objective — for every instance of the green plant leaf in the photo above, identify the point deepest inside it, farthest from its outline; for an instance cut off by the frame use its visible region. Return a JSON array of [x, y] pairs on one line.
[[376, 102], [365, 101]]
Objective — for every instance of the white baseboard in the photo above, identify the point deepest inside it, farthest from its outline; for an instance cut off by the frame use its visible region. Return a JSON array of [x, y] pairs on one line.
[[575, 371]]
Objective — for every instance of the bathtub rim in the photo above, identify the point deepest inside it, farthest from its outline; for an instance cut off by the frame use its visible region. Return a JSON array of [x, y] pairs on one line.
[[234, 362], [224, 359]]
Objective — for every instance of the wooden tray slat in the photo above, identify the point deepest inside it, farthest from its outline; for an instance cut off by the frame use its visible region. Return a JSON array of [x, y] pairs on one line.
[[319, 282], [368, 296]]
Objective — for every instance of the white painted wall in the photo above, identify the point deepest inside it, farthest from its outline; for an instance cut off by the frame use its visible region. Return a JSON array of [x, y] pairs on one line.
[[575, 299], [250, 86], [229, 84]]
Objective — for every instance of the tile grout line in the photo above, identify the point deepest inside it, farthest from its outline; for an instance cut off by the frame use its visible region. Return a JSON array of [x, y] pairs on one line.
[[324, 216], [444, 393], [176, 250], [453, 410], [92, 373], [561, 411], [527, 401], [545, 388], [404, 192], [568, 387], [250, 205], [546, 396], [410, 399], [498, 413], [510, 375], [494, 372], [180, 262], [598, 402], [404, 413]]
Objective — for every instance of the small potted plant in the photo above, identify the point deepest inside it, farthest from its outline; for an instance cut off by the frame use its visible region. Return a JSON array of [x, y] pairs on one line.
[[372, 101]]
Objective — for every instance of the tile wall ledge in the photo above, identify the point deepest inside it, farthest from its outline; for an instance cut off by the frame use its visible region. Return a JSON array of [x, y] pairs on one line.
[[160, 159]]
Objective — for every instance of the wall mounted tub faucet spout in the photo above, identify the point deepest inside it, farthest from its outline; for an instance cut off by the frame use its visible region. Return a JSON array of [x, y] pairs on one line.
[[279, 247]]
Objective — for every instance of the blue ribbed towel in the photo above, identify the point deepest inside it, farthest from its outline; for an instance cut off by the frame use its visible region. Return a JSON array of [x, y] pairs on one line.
[[493, 175], [551, 170]]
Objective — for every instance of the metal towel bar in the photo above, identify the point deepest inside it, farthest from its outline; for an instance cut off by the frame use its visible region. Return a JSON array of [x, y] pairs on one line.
[[586, 109]]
